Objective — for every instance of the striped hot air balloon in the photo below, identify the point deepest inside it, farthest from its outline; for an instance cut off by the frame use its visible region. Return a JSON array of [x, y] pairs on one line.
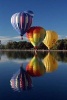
[[22, 21]]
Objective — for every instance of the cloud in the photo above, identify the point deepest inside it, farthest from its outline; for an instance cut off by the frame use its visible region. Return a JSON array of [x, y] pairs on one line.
[[5, 39], [62, 36]]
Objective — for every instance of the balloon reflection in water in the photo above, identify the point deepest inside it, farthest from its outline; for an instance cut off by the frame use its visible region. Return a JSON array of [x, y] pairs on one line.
[[50, 63], [35, 67], [21, 80]]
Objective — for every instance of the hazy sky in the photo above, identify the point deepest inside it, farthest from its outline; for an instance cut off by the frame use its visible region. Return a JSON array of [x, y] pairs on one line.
[[49, 14]]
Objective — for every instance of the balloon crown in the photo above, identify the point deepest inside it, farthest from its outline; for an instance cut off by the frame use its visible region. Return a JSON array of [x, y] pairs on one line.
[[29, 12]]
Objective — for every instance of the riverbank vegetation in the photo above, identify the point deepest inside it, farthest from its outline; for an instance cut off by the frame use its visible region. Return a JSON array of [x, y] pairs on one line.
[[60, 45]]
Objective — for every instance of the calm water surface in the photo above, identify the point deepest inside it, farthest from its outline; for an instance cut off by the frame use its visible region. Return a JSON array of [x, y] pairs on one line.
[[33, 76]]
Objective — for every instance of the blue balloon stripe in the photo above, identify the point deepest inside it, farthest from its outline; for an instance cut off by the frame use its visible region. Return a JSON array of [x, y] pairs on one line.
[[21, 21], [27, 26], [29, 23]]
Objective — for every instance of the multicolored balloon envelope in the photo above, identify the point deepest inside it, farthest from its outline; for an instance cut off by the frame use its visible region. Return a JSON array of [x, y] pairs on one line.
[[21, 81], [50, 63], [50, 39], [35, 67], [22, 21], [36, 34]]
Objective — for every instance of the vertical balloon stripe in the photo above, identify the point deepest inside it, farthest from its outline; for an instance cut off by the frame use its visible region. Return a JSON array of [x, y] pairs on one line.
[[21, 21], [12, 20], [16, 24], [22, 18], [27, 24], [26, 21], [30, 21], [23, 24], [16, 20]]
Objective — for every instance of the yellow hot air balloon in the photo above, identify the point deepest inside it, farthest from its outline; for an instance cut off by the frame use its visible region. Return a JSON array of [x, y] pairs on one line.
[[50, 63], [36, 34], [35, 67], [50, 39]]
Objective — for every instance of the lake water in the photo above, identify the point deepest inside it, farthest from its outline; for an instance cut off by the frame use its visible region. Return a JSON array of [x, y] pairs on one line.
[[30, 76]]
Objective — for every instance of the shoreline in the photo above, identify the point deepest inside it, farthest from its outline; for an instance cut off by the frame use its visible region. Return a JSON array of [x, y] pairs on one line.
[[42, 50]]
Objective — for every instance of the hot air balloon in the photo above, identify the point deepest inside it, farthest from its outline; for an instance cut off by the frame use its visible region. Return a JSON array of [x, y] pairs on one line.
[[35, 67], [50, 39], [50, 63], [36, 34], [22, 21], [21, 80]]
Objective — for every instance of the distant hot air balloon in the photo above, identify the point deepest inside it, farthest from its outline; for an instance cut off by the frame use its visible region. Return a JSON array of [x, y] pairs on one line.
[[21, 81], [36, 34], [22, 21], [35, 67], [50, 39], [50, 63]]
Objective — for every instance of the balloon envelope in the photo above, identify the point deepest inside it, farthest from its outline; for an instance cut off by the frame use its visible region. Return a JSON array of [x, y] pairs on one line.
[[36, 34], [50, 63], [35, 67], [22, 21], [50, 39]]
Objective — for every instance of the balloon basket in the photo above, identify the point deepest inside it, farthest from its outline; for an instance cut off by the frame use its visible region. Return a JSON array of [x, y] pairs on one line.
[[21, 38]]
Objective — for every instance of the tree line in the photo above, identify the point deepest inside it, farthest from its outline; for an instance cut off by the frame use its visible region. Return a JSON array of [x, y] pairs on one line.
[[60, 45]]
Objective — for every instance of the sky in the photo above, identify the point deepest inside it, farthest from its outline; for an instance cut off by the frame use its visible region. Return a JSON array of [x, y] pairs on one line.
[[49, 14]]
